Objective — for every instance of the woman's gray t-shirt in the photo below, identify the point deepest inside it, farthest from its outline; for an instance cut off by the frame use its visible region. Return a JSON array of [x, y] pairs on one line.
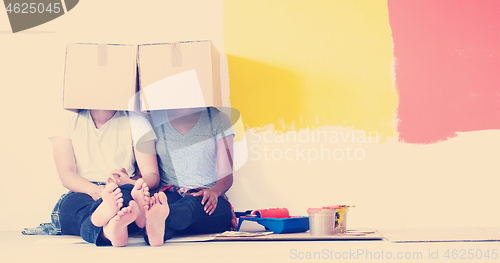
[[190, 160]]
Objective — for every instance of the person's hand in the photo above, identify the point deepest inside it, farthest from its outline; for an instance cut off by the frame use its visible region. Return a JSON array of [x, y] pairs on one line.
[[120, 177], [96, 191], [209, 199]]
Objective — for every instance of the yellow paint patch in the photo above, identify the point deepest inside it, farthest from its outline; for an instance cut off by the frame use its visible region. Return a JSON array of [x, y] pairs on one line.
[[297, 64]]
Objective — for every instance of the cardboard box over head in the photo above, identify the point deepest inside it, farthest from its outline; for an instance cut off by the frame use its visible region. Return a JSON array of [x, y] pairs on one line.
[[100, 76], [179, 75]]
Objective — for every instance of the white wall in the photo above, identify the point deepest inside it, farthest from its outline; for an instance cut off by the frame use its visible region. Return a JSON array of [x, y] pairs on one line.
[[448, 184], [32, 69]]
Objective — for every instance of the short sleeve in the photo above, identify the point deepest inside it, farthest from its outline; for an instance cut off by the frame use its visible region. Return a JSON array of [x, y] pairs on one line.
[[62, 126], [141, 128], [223, 126]]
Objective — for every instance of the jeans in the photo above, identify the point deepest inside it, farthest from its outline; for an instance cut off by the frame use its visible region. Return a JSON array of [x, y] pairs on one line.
[[187, 216], [76, 210]]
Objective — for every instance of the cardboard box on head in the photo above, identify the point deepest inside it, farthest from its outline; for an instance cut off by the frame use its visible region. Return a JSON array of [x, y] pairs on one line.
[[179, 75], [100, 76], [185, 75], [148, 77]]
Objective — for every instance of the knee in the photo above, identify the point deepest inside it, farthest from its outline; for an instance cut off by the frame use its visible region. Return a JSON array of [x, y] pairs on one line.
[[192, 201], [223, 204], [75, 201], [191, 198]]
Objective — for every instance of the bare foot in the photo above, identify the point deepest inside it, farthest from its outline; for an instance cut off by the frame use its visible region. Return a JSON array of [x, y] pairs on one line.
[[155, 219], [140, 193], [116, 230], [112, 201]]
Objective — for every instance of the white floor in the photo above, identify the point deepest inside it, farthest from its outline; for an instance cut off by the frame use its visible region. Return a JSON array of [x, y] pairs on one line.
[[14, 247]]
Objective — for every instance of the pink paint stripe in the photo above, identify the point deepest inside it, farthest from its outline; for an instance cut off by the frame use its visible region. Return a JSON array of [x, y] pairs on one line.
[[447, 67]]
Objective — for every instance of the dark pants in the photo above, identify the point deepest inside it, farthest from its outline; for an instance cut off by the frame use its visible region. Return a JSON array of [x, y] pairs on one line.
[[187, 216], [75, 213]]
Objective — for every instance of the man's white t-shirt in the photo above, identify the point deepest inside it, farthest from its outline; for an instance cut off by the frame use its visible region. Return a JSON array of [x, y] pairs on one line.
[[100, 151]]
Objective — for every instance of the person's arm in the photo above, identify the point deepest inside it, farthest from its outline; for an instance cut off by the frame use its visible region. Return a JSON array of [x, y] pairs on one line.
[[225, 175], [64, 158], [147, 164], [147, 167], [224, 165]]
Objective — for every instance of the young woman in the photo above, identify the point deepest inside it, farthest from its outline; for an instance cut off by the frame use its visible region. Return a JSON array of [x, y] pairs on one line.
[[195, 148], [95, 147]]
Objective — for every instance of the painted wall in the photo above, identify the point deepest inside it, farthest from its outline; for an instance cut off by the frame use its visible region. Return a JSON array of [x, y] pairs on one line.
[[327, 90], [448, 59], [312, 79], [297, 65]]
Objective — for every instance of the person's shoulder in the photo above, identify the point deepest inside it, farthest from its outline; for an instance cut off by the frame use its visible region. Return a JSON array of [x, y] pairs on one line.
[[70, 116], [158, 118], [221, 121], [63, 123], [140, 127], [218, 114], [132, 116], [137, 120]]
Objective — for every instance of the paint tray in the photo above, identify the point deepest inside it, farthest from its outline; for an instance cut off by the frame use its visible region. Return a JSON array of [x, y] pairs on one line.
[[280, 225]]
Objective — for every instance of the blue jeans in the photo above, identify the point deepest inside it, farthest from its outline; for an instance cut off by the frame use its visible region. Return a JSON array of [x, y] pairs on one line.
[[187, 216], [76, 210]]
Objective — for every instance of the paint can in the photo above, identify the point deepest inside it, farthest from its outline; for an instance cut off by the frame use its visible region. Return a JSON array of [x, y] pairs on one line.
[[321, 221], [341, 219]]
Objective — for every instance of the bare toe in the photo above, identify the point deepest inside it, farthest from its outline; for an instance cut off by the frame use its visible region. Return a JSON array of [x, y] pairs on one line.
[[112, 201]]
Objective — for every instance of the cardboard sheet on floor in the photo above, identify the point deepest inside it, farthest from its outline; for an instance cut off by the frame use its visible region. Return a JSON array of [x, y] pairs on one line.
[[305, 236], [137, 240], [408, 235]]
